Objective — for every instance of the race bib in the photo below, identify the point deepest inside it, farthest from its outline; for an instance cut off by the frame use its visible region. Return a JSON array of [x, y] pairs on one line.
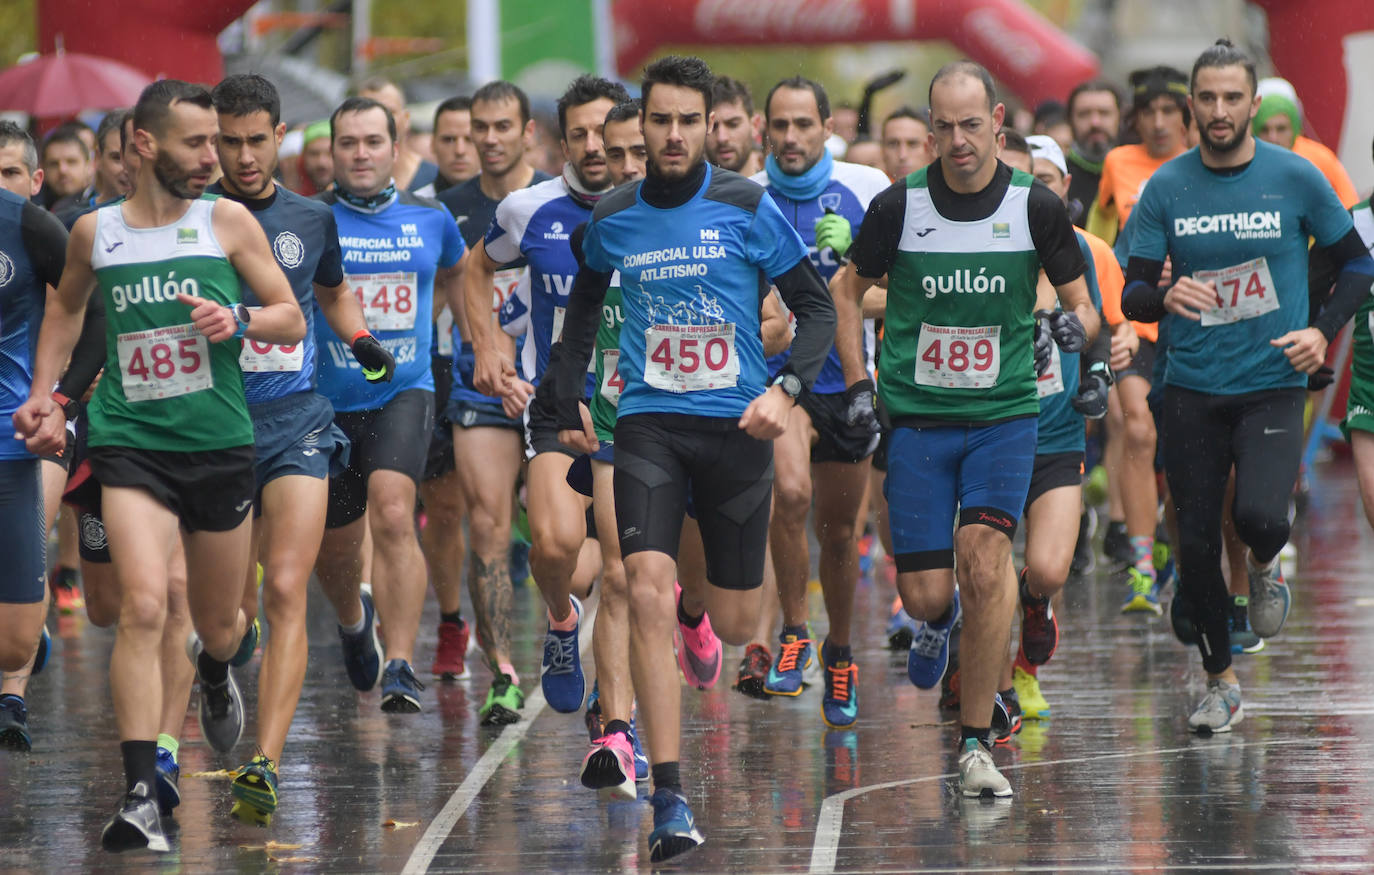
[[258, 357], [951, 357], [504, 284], [164, 363], [611, 383], [691, 358], [443, 329], [1244, 291], [1052, 381], [388, 299]]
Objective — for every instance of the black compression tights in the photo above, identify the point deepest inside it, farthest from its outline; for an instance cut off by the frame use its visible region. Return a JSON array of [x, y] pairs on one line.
[[1260, 434]]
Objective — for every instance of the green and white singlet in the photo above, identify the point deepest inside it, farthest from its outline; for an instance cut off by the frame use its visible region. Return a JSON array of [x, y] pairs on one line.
[[1359, 408], [166, 387], [607, 361]]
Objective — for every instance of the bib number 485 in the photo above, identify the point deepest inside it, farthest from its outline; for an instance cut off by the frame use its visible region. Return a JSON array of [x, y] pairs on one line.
[[163, 363]]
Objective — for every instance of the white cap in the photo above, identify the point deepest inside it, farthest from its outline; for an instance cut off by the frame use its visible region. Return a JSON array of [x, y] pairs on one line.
[[1045, 147], [1276, 85]]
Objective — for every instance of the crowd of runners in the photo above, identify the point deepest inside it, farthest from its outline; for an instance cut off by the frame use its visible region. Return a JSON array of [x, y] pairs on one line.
[[640, 380]]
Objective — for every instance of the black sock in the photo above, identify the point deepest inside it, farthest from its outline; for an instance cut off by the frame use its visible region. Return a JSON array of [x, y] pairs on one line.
[[140, 763], [665, 776], [617, 726], [63, 576], [799, 631], [834, 653], [1008, 693], [211, 670], [982, 734], [687, 619], [455, 617]]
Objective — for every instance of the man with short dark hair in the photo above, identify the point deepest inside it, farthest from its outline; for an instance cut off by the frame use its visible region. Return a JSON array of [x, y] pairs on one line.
[[905, 140], [170, 438], [66, 166], [452, 145], [1094, 112], [732, 143], [412, 170]]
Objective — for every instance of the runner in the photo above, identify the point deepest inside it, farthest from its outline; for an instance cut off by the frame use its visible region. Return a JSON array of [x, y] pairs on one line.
[[1094, 110], [455, 152], [67, 168], [694, 415], [317, 158], [397, 249], [1279, 121], [410, 171], [958, 383], [32, 252], [486, 443], [298, 446], [821, 452], [733, 143], [200, 479], [536, 223], [906, 143], [1234, 218]]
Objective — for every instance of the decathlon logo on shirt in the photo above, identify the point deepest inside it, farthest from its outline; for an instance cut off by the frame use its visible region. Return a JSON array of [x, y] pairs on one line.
[[1259, 225]]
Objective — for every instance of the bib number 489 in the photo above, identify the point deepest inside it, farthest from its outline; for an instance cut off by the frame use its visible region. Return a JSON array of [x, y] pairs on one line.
[[958, 358]]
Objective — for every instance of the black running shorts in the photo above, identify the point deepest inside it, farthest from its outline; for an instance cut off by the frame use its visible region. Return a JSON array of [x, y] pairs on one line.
[[392, 438]]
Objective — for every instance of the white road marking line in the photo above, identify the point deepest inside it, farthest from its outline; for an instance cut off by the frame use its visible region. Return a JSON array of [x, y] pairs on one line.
[[830, 822], [482, 771]]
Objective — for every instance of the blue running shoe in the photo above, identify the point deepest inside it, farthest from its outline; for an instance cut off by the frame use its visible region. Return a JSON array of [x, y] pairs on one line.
[[641, 761], [14, 724], [40, 656], [929, 653], [400, 688], [596, 727], [1142, 597], [785, 676], [561, 674], [168, 776], [675, 829], [363, 651], [840, 704]]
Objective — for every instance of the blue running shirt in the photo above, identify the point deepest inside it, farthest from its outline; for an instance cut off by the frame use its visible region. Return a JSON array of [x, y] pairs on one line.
[[690, 292], [1062, 428], [851, 188], [389, 258], [305, 242], [1248, 233]]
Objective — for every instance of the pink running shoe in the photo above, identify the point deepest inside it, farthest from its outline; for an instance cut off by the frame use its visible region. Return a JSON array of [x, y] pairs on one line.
[[699, 651], [609, 767]]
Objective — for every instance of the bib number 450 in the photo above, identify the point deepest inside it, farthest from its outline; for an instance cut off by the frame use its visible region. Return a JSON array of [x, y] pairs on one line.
[[691, 358]]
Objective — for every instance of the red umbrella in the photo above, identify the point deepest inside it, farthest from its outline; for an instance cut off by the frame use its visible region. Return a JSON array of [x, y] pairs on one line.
[[66, 83]]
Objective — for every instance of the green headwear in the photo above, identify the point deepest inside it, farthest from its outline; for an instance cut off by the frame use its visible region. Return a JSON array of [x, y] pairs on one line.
[[317, 130], [1272, 105]]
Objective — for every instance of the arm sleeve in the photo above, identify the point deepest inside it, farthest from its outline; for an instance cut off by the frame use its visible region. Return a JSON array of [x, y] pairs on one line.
[[806, 295], [89, 355], [1100, 350], [579, 334], [880, 233], [329, 272], [1142, 300], [45, 240], [1353, 284], [1053, 235]]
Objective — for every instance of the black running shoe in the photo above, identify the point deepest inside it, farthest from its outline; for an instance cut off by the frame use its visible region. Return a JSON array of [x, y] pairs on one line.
[[1116, 544], [1084, 559], [136, 824]]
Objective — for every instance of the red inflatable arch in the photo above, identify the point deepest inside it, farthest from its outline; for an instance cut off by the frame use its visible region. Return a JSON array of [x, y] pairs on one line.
[[1030, 55]]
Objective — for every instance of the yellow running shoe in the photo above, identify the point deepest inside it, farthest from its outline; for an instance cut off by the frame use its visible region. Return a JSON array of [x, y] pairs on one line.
[[1033, 703]]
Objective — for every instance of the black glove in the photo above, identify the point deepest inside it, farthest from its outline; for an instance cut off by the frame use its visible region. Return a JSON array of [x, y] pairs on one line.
[[1068, 332], [1320, 379], [1044, 344], [1091, 400], [861, 409], [379, 366]]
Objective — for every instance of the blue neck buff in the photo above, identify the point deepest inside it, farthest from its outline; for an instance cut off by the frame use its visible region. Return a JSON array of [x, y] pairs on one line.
[[806, 186], [374, 204]]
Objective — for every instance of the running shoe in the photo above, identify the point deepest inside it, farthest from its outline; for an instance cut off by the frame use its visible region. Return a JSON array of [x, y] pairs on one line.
[[248, 645], [1084, 558], [363, 651], [168, 780], [221, 704], [610, 766], [866, 543], [400, 688], [1181, 618], [66, 595], [504, 701], [753, 671], [840, 704], [675, 829], [596, 727], [14, 723], [1116, 544], [1006, 717], [40, 656], [1269, 599], [255, 790], [901, 627], [978, 775], [1034, 706], [1039, 628], [136, 824], [1219, 710], [449, 656], [1142, 597], [561, 675], [641, 759], [699, 651], [785, 676], [1243, 638], [929, 653]]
